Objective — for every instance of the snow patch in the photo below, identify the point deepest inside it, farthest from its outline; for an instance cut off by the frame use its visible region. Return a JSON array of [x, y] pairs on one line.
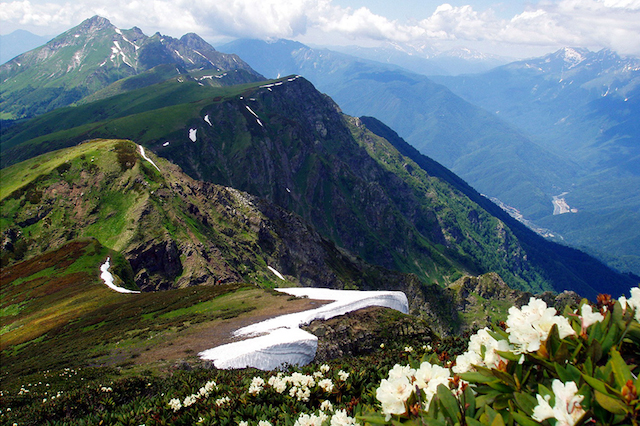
[[144, 155], [108, 278], [206, 118], [278, 274], [280, 339], [166, 143], [259, 122], [251, 111], [192, 134]]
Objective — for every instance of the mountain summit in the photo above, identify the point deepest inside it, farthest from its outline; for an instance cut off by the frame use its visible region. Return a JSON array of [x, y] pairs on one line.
[[93, 55]]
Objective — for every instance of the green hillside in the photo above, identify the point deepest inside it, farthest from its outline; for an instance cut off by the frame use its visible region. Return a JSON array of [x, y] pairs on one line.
[[285, 142]]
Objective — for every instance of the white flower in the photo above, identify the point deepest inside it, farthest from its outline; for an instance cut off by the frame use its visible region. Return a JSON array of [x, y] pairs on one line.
[[106, 389], [343, 375], [588, 317], [264, 423], [222, 401], [340, 418], [326, 405], [408, 349], [401, 371], [257, 384], [530, 326], [326, 385], [633, 302], [324, 368], [393, 394], [243, 423], [566, 410], [429, 377], [175, 404], [311, 419], [190, 400]]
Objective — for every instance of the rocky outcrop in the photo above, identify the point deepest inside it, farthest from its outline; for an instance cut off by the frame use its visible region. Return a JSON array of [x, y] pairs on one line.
[[363, 331]]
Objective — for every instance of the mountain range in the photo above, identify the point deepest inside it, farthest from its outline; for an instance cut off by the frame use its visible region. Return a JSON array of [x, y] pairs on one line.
[[523, 165], [582, 106], [92, 56], [287, 143]]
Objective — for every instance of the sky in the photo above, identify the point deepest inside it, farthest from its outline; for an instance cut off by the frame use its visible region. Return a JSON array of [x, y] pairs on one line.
[[513, 28]]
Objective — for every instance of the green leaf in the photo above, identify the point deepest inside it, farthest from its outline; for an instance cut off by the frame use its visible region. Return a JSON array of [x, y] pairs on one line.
[[448, 402], [473, 422], [526, 402], [620, 368], [596, 384], [612, 405], [478, 377], [524, 420]]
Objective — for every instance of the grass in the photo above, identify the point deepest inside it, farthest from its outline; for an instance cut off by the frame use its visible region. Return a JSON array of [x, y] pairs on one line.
[[76, 320]]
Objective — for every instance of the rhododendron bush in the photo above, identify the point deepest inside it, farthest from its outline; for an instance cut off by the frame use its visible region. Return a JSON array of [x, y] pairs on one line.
[[538, 367]]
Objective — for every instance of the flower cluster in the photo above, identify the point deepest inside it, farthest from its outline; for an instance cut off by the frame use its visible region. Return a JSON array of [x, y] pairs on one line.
[[566, 410], [633, 302], [203, 392], [339, 418], [301, 384], [395, 391], [529, 326]]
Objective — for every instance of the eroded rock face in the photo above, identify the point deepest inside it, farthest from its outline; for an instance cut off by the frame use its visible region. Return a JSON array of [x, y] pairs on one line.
[[156, 264]]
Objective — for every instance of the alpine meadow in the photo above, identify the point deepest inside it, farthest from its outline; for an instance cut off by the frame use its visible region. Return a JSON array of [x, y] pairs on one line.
[[293, 235]]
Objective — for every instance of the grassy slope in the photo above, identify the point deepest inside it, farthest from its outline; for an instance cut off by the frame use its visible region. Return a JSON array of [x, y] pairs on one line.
[[56, 304]]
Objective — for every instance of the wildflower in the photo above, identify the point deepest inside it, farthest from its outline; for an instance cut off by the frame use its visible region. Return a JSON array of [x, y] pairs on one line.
[[530, 326], [393, 394], [633, 302], [243, 423], [326, 406], [408, 349], [401, 371], [257, 384], [326, 385], [428, 377], [264, 423], [340, 418], [324, 368], [566, 410], [343, 375], [190, 400], [106, 389], [381, 345], [588, 317], [175, 404], [310, 419], [222, 401]]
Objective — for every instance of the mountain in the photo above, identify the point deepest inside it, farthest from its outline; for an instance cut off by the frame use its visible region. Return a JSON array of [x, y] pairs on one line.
[[171, 231], [284, 141], [426, 60], [485, 151], [18, 42], [582, 106], [90, 57]]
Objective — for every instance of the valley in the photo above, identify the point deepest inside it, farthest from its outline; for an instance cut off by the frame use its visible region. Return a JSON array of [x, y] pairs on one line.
[[176, 225]]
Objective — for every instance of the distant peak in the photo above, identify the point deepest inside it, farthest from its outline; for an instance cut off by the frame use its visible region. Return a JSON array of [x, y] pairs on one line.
[[95, 23], [194, 41]]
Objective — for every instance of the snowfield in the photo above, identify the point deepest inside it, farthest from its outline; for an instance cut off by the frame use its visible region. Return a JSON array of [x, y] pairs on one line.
[[280, 340]]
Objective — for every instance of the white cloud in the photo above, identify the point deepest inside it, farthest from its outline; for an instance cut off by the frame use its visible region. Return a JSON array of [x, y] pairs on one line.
[[549, 23]]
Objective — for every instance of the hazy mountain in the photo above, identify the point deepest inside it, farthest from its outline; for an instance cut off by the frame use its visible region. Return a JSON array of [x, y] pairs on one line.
[[18, 42], [284, 141], [583, 106], [426, 60], [485, 151], [90, 57]]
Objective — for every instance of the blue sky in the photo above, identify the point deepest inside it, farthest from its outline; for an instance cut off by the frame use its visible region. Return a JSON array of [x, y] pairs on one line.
[[510, 28]]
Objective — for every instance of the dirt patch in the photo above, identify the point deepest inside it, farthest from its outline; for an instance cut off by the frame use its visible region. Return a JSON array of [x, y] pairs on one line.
[[200, 337]]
